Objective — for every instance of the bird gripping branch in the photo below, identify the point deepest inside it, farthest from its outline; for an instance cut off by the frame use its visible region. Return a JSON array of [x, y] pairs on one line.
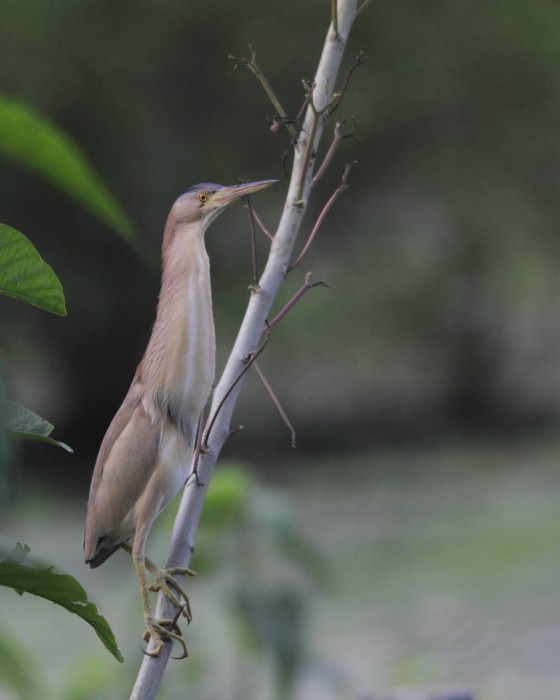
[[146, 454]]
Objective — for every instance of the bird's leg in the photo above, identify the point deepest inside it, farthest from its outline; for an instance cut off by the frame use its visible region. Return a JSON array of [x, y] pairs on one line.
[[159, 631], [166, 582]]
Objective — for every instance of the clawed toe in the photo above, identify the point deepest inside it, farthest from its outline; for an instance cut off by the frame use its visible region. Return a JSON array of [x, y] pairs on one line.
[[165, 581], [161, 632]]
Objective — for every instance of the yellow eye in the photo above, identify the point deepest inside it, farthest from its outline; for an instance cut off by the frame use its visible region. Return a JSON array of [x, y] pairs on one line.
[[202, 197]]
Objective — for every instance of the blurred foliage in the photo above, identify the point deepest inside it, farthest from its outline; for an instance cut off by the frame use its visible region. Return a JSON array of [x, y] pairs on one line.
[[18, 671], [249, 533], [30, 140], [441, 258], [24, 275], [264, 609], [276, 623]]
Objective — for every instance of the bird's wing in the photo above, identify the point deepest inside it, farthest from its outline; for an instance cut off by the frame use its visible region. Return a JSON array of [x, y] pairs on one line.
[[124, 465]]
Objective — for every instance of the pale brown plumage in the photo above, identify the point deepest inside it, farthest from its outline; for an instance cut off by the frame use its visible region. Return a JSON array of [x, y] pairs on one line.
[[147, 451]]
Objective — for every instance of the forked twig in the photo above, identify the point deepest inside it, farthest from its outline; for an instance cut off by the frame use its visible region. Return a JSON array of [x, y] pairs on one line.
[[339, 96], [335, 195], [248, 361], [307, 285], [252, 65], [329, 108], [261, 224], [186, 524], [338, 137]]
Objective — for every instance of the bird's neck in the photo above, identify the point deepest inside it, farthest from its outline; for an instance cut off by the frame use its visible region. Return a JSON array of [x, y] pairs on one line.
[[177, 370]]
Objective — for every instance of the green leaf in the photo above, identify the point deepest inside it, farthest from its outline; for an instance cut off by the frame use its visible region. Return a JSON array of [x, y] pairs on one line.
[[23, 423], [35, 143], [24, 275], [27, 576]]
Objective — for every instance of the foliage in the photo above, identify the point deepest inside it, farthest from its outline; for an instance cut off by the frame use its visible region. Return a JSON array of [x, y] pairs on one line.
[[32, 141], [24, 575], [25, 275], [17, 667], [271, 616], [23, 423]]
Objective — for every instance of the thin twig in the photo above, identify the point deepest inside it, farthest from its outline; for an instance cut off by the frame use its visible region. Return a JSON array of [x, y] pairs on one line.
[[334, 14], [261, 225], [362, 7], [339, 96], [307, 285], [253, 243], [252, 65], [248, 361], [335, 195], [198, 447], [308, 155], [338, 137], [276, 402]]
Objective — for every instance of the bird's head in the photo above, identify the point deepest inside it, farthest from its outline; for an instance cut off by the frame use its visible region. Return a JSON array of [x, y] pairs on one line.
[[201, 204]]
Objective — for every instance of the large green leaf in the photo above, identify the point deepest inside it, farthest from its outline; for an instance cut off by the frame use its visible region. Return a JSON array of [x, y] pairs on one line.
[[23, 423], [34, 142], [25, 275], [17, 571]]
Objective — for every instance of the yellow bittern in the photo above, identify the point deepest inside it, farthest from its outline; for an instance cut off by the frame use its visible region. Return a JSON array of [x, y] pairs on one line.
[[146, 454]]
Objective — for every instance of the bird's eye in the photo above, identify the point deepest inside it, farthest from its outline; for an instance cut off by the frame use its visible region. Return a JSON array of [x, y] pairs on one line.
[[202, 197]]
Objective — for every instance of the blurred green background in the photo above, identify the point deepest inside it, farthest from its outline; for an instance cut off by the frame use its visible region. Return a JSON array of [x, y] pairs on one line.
[[423, 384]]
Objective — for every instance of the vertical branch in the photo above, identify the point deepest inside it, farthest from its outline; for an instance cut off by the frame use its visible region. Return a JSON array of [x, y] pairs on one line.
[[186, 523]]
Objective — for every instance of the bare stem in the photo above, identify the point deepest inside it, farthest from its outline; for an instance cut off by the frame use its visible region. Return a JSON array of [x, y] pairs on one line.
[[334, 17], [335, 195], [310, 145], [198, 446], [339, 96], [338, 137], [276, 402], [253, 243], [362, 7], [252, 65], [307, 285], [247, 362], [227, 390], [262, 227]]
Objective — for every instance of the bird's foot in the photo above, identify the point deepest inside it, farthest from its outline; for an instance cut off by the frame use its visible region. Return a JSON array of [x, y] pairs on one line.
[[166, 582], [162, 632]]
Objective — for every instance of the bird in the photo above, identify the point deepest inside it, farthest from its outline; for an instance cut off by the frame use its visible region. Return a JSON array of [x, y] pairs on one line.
[[146, 454]]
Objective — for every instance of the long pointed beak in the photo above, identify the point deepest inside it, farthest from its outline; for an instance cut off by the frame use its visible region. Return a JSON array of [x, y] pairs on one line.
[[227, 195]]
